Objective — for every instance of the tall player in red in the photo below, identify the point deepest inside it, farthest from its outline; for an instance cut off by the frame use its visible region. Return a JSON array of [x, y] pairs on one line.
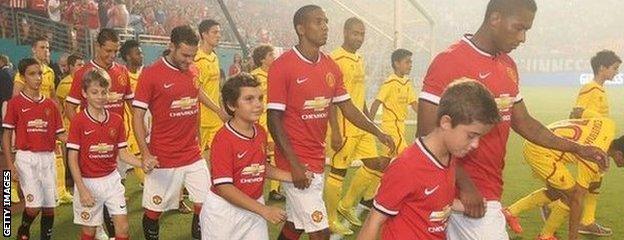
[[483, 56], [303, 82], [417, 190], [169, 90]]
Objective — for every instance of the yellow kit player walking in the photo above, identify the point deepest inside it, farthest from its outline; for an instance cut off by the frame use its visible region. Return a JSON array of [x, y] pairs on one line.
[[263, 56], [348, 141], [396, 95], [562, 188], [207, 62]]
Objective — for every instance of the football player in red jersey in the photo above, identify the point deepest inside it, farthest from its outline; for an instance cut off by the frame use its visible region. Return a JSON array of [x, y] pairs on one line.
[[37, 124], [235, 207], [303, 82], [97, 137], [417, 190], [483, 56]]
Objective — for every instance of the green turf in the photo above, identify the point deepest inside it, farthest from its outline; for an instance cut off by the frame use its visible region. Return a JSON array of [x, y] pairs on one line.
[[546, 104]]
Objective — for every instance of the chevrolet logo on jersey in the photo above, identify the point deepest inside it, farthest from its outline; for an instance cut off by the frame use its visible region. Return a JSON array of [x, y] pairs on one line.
[[253, 170], [101, 148], [440, 216], [318, 104], [184, 103], [37, 123], [114, 97]]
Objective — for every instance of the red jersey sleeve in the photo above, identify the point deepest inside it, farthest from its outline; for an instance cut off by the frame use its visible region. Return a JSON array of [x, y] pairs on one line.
[[121, 137], [75, 92], [340, 92], [394, 189], [439, 75], [10, 119], [143, 94], [58, 122], [222, 161], [277, 87], [73, 138]]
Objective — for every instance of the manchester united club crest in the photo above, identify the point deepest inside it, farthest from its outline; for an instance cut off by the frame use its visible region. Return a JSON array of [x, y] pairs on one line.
[[330, 79], [512, 75], [30, 198], [317, 216], [157, 199], [85, 216], [47, 112], [112, 132]]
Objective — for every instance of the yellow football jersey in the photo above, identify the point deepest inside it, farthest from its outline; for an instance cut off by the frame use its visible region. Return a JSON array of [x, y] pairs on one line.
[[598, 132], [134, 79], [47, 80], [593, 97], [262, 77], [353, 74], [61, 93], [209, 74], [396, 94]]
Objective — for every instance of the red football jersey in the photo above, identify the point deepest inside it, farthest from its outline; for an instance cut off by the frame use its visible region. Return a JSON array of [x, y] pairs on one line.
[[240, 160], [119, 89], [499, 74], [416, 192], [304, 90], [97, 143], [36, 123], [171, 97]]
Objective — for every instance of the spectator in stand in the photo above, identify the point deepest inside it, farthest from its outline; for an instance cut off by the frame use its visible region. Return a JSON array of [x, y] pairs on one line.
[[38, 7], [236, 66], [88, 10], [54, 9], [25, 33], [102, 10], [118, 15]]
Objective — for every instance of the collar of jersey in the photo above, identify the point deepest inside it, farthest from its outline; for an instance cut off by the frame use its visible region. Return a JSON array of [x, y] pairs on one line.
[[305, 59], [240, 135], [86, 110], [168, 64], [40, 100], [100, 67], [467, 38], [429, 155], [393, 76]]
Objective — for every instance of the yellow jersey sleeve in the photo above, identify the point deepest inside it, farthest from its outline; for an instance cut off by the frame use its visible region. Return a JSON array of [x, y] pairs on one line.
[[63, 88]]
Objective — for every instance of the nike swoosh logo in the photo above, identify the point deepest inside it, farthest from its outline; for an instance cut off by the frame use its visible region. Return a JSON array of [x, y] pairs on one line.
[[122, 207], [241, 155], [301, 80], [484, 76], [25, 109], [431, 191], [168, 85], [89, 132]]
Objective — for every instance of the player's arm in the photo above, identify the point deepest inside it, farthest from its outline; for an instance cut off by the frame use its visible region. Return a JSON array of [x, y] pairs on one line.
[[426, 118], [374, 108], [236, 197], [70, 110], [140, 133], [370, 229], [336, 136], [86, 199], [532, 130], [358, 119], [62, 136], [278, 174], [212, 105], [276, 128], [6, 150], [414, 106]]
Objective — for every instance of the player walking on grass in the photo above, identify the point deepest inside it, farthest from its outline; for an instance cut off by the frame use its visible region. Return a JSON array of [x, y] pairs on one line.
[[483, 56], [418, 188], [96, 138], [303, 83], [37, 124]]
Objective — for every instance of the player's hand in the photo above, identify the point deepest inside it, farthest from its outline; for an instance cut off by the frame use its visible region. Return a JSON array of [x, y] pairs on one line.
[[458, 206], [299, 178], [336, 141], [473, 202], [86, 199], [386, 139], [149, 162], [14, 173], [223, 115], [619, 161], [274, 215], [594, 154]]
